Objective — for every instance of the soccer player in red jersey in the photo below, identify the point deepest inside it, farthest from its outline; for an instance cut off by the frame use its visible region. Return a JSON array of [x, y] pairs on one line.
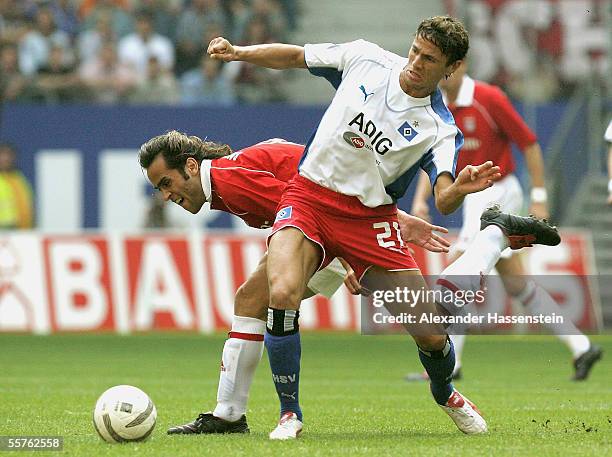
[[247, 183], [490, 126]]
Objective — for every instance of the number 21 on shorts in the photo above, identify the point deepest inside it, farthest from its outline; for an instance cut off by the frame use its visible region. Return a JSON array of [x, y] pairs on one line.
[[388, 238]]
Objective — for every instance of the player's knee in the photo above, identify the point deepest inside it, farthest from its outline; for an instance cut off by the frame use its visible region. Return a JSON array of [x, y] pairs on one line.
[[431, 342], [249, 304], [284, 297]]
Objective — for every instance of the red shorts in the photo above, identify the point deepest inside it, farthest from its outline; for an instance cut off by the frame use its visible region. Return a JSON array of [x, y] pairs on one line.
[[344, 227]]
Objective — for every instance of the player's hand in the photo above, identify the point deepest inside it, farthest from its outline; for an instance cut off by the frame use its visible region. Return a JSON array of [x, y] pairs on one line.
[[421, 209], [610, 199], [221, 49], [350, 280], [475, 178], [539, 210], [421, 233]]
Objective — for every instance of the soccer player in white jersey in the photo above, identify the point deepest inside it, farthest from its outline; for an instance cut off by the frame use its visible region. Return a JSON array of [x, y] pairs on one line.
[[385, 122]]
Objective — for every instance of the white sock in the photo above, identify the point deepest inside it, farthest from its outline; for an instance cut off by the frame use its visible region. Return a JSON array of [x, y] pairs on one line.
[[479, 258], [481, 255], [241, 355], [537, 301], [458, 342]]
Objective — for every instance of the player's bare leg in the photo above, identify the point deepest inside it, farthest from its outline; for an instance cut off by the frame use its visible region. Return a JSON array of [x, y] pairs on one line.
[[292, 260], [536, 300]]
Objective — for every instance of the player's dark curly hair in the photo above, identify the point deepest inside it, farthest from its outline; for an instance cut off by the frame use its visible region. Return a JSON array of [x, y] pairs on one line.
[[448, 34], [177, 147]]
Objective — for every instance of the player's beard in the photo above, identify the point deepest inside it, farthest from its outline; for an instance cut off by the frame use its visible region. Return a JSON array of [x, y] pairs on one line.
[[194, 197]]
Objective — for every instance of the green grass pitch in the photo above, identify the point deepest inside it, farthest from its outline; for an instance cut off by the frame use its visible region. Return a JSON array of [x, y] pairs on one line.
[[353, 394]]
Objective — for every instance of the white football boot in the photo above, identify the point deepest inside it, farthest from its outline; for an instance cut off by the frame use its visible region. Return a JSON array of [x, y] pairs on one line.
[[464, 414], [289, 427]]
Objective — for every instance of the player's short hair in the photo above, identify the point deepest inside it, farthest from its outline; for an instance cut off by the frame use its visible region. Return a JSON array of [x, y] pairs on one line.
[[448, 34], [177, 147]]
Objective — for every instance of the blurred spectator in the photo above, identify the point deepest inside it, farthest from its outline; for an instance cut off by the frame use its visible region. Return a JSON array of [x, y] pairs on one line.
[[108, 80], [212, 83], [137, 48], [192, 26], [64, 14], [13, 21], [78, 30], [13, 84], [57, 81], [87, 7], [159, 86], [240, 14], [165, 15], [35, 46], [117, 9], [257, 84], [290, 9], [16, 203], [90, 41], [270, 12]]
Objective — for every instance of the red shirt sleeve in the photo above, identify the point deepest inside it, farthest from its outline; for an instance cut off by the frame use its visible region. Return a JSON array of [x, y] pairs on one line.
[[508, 120]]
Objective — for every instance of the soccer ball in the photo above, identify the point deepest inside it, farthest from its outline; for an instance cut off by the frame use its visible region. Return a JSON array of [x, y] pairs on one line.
[[124, 413]]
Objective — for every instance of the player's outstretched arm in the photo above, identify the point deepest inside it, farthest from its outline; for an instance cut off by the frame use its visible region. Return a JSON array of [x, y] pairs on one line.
[[421, 233], [449, 194], [278, 56]]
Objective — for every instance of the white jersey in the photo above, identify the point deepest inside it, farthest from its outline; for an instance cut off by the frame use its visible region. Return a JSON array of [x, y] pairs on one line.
[[374, 137]]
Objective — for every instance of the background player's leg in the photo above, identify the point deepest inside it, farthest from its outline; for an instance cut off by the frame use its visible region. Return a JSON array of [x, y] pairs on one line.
[[292, 260], [536, 300], [479, 258], [466, 267]]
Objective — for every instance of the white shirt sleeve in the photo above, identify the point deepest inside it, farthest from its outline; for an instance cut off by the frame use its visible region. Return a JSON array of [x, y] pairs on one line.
[[442, 157], [324, 58]]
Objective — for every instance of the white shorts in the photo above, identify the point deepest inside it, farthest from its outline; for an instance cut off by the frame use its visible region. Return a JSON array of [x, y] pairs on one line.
[[507, 193], [328, 280]]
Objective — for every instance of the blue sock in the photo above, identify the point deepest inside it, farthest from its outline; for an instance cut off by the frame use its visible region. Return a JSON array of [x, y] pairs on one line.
[[439, 366], [284, 354]]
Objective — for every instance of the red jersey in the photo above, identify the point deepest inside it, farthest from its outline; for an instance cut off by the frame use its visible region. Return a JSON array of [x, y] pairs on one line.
[[249, 183], [490, 124]]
